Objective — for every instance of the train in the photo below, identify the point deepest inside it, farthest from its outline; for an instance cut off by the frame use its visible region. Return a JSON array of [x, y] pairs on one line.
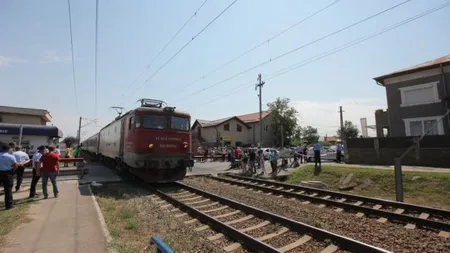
[[152, 142]]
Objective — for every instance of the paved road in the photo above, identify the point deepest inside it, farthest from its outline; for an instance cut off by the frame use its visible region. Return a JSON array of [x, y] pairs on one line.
[[209, 168]]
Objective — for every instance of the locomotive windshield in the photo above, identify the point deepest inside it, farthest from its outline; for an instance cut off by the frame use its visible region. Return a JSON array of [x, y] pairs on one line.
[[181, 124], [156, 122]]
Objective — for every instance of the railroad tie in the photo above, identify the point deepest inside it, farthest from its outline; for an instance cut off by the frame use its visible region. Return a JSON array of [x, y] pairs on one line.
[[305, 202], [424, 216], [160, 202], [376, 207], [179, 193], [197, 202], [300, 192], [313, 195], [269, 193], [248, 217], [359, 214], [280, 188], [444, 234], [280, 196], [189, 199], [180, 215], [399, 211], [295, 244], [216, 209], [227, 214], [182, 196], [382, 220], [321, 206], [358, 203], [342, 200], [207, 205], [262, 185], [165, 206], [327, 197], [410, 226], [290, 190], [272, 235], [338, 210], [174, 210], [260, 225], [201, 228], [190, 221], [215, 237], [233, 247], [330, 249]]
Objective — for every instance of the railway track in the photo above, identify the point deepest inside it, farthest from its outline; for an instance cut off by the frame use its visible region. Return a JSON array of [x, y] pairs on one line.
[[251, 228], [408, 214]]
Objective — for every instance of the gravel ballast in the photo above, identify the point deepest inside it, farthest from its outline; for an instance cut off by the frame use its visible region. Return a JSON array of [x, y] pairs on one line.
[[390, 236]]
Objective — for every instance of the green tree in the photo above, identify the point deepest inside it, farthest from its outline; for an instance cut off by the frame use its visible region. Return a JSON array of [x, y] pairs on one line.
[[284, 117], [349, 131], [69, 141], [310, 135]]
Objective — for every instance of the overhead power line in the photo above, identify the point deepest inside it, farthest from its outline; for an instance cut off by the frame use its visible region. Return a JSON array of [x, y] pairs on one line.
[[296, 49], [96, 57], [262, 43], [185, 45], [166, 45], [73, 60], [329, 52]]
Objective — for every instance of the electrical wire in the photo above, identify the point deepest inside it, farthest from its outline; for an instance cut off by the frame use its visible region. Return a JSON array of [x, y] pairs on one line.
[[185, 45], [165, 46], [262, 43], [330, 52], [96, 57], [296, 49], [73, 60]]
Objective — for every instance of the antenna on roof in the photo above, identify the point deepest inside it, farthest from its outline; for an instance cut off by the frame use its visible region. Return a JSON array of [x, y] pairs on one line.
[[118, 109], [148, 102]]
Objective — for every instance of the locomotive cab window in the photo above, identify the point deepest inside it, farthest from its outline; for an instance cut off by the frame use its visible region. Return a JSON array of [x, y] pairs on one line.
[[137, 121], [156, 122], [131, 123], [181, 124]]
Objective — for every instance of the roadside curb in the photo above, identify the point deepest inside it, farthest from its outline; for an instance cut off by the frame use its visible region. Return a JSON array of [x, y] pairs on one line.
[[109, 240]]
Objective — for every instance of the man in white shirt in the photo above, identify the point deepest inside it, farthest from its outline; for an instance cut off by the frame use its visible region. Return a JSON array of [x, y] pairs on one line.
[[36, 173], [57, 150], [22, 158]]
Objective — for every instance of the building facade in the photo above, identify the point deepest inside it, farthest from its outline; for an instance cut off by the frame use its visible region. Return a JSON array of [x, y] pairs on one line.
[[417, 99], [242, 130], [29, 116]]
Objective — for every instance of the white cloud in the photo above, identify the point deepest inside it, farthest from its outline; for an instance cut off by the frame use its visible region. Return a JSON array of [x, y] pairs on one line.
[[324, 115], [54, 56], [7, 60]]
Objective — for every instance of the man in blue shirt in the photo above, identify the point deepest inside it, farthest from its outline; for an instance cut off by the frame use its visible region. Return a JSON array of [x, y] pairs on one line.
[[317, 148], [300, 153], [339, 149], [7, 166]]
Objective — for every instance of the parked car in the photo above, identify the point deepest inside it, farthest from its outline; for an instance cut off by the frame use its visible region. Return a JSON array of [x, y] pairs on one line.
[[327, 154]]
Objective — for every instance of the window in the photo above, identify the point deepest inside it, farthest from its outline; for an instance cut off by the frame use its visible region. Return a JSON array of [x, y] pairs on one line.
[[238, 128], [131, 123], [137, 121], [418, 126], [420, 94], [179, 123], [226, 127], [155, 122]]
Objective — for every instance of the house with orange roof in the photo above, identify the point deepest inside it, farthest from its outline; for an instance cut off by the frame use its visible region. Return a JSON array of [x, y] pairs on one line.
[[242, 130]]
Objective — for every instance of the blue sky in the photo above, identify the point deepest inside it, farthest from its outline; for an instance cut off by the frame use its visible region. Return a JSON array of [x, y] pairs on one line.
[[36, 70]]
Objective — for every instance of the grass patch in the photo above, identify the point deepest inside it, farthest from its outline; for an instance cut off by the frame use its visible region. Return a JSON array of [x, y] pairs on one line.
[[132, 218], [10, 219], [422, 188]]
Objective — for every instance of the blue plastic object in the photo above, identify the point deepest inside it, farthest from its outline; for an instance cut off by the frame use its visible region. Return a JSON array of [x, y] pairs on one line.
[[161, 247]]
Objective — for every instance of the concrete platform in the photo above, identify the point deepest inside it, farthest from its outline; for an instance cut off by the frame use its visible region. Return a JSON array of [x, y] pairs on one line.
[[70, 223]]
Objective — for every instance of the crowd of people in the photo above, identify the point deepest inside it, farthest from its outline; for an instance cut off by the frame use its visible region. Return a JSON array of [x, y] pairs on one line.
[[45, 164]]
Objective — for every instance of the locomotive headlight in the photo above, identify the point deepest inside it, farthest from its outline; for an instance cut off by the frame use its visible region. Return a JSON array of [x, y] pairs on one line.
[[150, 145], [186, 146]]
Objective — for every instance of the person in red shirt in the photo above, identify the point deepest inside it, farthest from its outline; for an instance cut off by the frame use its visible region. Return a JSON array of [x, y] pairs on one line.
[[49, 170]]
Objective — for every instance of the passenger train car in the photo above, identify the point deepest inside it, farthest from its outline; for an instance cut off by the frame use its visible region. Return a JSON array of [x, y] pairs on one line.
[[152, 142]]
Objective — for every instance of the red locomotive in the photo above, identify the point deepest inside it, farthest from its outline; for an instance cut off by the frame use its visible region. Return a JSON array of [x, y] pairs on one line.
[[152, 142]]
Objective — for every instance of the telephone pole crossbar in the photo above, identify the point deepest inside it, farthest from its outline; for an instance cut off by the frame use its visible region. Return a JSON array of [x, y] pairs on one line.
[[259, 85]]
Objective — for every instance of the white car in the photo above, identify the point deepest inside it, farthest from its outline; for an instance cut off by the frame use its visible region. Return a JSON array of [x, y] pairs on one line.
[[327, 153]]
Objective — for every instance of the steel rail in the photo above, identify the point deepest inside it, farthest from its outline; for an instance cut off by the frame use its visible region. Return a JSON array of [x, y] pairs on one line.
[[381, 213], [248, 241], [342, 242], [406, 206]]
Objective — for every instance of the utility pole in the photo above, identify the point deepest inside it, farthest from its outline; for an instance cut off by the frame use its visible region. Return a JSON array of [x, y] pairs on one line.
[[342, 123], [79, 132], [260, 85]]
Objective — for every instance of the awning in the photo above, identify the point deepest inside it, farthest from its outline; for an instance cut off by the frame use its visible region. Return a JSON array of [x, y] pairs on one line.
[[49, 131]]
